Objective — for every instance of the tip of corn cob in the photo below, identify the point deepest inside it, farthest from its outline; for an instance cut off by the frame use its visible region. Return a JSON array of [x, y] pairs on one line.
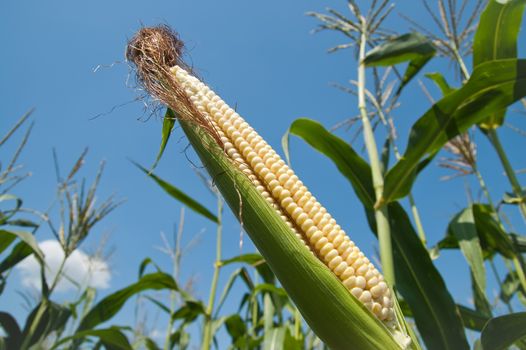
[[153, 51], [157, 46]]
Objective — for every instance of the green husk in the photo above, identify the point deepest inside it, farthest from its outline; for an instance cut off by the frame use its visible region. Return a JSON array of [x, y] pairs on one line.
[[337, 317]]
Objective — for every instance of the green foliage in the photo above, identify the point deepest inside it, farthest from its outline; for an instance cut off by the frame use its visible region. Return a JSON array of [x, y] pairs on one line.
[[413, 47], [180, 195], [494, 85], [168, 125], [496, 38], [464, 229], [109, 306], [418, 280], [289, 299], [501, 332]]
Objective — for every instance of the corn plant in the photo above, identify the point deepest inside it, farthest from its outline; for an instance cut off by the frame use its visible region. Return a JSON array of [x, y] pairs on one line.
[[49, 324], [304, 246], [301, 242]]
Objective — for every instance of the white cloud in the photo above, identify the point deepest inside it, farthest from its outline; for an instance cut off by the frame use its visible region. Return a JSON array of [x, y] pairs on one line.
[[81, 268]]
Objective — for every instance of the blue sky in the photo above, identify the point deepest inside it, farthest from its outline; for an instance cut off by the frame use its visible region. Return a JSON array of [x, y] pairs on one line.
[[260, 57]]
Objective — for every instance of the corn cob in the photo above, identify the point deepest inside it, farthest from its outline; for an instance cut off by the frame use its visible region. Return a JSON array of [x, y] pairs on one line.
[[286, 193], [154, 51]]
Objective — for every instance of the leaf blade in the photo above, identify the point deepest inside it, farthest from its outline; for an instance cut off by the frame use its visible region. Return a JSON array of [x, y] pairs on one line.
[[501, 332], [180, 195], [493, 86], [413, 47], [496, 38]]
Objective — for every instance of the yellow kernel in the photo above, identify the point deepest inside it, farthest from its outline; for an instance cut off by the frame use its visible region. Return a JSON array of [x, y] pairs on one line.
[[322, 242], [311, 231], [316, 236], [350, 282], [349, 271], [365, 297], [301, 218], [377, 308], [333, 260], [360, 282], [377, 291], [329, 253], [340, 269], [306, 225], [372, 282], [356, 292], [362, 270]]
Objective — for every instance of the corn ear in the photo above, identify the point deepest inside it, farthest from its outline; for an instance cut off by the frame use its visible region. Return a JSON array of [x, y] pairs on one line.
[[340, 320], [275, 181], [337, 289]]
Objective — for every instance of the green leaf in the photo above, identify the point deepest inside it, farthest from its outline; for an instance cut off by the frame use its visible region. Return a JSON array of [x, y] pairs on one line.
[[13, 339], [28, 239], [441, 82], [510, 286], [285, 145], [491, 235], [180, 338], [150, 344], [112, 338], [109, 306], [180, 195], [168, 125], [189, 311], [53, 318], [268, 313], [235, 327], [501, 332], [5, 240], [27, 246], [327, 306], [159, 304], [511, 198], [228, 287], [464, 229], [279, 338], [496, 38], [144, 264], [423, 288], [494, 85], [10, 212], [256, 261], [417, 278], [472, 319], [412, 47]]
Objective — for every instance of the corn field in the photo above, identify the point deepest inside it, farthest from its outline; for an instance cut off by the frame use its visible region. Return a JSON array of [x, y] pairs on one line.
[[307, 285]]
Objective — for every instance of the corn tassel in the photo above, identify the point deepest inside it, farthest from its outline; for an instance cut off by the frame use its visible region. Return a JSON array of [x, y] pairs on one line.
[[310, 221]]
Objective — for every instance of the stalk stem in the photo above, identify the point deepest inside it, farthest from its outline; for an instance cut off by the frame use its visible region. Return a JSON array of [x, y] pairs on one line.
[[392, 141], [176, 261], [381, 214], [461, 63], [510, 173], [207, 338]]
